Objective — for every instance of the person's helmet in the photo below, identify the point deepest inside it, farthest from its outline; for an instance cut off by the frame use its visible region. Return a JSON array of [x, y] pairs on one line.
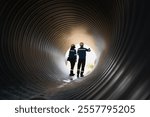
[[81, 43]]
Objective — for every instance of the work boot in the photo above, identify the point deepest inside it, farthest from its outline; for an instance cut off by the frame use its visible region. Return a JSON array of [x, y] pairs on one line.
[[82, 74], [71, 73]]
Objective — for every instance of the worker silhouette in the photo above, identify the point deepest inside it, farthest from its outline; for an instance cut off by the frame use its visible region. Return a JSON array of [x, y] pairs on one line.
[[82, 59], [72, 58]]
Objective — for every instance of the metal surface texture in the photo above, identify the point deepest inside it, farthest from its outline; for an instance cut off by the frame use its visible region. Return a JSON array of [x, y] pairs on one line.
[[35, 35]]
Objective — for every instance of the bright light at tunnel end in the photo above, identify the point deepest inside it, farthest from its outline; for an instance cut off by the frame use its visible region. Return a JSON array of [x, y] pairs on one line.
[[91, 39], [91, 60]]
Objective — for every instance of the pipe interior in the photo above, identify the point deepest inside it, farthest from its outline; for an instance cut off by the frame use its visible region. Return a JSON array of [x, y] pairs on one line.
[[35, 35]]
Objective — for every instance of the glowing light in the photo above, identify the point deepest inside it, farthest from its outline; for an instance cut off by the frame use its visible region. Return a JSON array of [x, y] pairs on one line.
[[91, 60], [75, 35]]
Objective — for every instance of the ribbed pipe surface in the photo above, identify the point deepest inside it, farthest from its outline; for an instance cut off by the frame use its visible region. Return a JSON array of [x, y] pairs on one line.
[[35, 35]]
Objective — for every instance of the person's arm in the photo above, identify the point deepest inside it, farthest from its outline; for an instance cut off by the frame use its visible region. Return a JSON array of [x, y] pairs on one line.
[[78, 52], [75, 54], [68, 58], [69, 53], [88, 50]]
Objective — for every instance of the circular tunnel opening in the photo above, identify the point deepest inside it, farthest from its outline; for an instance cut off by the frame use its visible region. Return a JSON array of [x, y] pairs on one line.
[[75, 35]]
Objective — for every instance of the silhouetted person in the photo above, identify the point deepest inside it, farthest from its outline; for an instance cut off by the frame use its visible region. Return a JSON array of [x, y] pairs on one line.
[[72, 58], [82, 59]]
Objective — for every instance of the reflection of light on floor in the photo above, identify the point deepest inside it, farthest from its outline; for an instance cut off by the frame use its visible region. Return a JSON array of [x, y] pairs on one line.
[[90, 61]]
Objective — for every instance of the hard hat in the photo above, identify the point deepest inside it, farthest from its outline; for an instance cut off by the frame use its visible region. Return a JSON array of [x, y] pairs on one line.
[[81, 43]]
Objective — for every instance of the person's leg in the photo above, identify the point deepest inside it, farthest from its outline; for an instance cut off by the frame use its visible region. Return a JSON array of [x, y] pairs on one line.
[[72, 63], [83, 66], [78, 67]]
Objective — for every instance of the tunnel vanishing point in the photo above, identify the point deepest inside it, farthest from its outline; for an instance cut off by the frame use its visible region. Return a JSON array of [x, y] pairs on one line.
[[35, 35]]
